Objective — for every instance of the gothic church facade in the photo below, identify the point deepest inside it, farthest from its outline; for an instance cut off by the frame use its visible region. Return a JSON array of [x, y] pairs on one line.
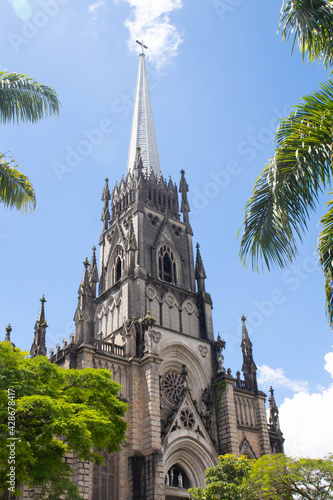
[[150, 324]]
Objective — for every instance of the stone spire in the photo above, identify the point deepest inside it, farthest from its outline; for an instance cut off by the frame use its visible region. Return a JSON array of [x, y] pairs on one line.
[[143, 129], [249, 367], [200, 274], [8, 331], [85, 310], [275, 434], [38, 347], [106, 197], [84, 288], [93, 272], [183, 189], [273, 412]]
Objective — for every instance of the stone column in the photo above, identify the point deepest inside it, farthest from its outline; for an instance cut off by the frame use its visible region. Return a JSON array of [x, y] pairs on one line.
[[226, 419], [151, 429], [259, 405]]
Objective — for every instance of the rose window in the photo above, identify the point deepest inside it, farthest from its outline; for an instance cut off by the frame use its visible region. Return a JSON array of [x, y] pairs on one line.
[[187, 418], [172, 386]]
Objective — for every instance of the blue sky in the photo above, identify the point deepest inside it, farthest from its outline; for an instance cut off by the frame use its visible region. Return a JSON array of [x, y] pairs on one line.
[[220, 79]]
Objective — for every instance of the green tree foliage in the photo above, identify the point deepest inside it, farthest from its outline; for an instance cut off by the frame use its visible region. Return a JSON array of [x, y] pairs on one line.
[[278, 476], [271, 477], [56, 411], [288, 189], [227, 481], [22, 99]]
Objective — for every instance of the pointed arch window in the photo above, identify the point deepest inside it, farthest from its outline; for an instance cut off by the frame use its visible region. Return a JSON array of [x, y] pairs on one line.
[[117, 265], [105, 484], [167, 265]]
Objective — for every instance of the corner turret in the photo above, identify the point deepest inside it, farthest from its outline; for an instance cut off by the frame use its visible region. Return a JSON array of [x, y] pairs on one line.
[[84, 315], [93, 272], [200, 274], [275, 435], [249, 367], [106, 197], [183, 189], [38, 347], [8, 332]]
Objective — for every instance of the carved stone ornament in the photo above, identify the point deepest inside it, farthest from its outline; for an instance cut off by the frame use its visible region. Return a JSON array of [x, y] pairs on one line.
[[110, 235], [189, 307], [177, 229], [150, 293], [117, 298], [170, 300], [203, 350], [156, 336], [154, 219], [110, 303], [99, 311], [126, 222], [166, 235]]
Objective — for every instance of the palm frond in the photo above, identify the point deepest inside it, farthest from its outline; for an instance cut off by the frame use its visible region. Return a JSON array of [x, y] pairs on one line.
[[311, 24], [287, 190], [24, 99], [16, 190], [325, 250]]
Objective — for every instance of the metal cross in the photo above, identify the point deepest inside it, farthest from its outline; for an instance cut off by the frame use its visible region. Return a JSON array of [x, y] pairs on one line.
[[142, 45]]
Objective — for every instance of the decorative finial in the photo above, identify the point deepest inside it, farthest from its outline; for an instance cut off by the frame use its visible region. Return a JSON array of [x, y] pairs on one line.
[[43, 299], [142, 46], [243, 318], [86, 263], [8, 331]]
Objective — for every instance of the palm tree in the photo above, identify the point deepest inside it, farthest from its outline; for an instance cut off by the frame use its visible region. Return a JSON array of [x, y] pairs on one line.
[[288, 189], [21, 99]]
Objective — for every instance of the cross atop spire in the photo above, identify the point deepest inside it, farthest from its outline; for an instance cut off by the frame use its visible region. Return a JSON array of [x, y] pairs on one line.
[[142, 46]]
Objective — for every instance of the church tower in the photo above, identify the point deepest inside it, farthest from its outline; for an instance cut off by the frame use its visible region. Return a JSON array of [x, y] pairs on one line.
[[150, 324]]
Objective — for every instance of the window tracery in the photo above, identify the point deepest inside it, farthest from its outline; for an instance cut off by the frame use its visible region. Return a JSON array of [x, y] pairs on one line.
[[117, 265], [167, 266], [187, 418], [172, 387]]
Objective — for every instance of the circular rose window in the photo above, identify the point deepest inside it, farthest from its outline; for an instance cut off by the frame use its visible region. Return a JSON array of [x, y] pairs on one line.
[[172, 387], [187, 418]]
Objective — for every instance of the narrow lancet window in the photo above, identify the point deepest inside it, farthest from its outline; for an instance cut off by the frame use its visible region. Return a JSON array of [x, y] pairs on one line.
[[167, 266]]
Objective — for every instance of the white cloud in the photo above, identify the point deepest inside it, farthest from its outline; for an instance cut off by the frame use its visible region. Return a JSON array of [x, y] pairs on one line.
[[329, 363], [306, 420], [306, 423], [93, 7], [276, 377], [150, 22]]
